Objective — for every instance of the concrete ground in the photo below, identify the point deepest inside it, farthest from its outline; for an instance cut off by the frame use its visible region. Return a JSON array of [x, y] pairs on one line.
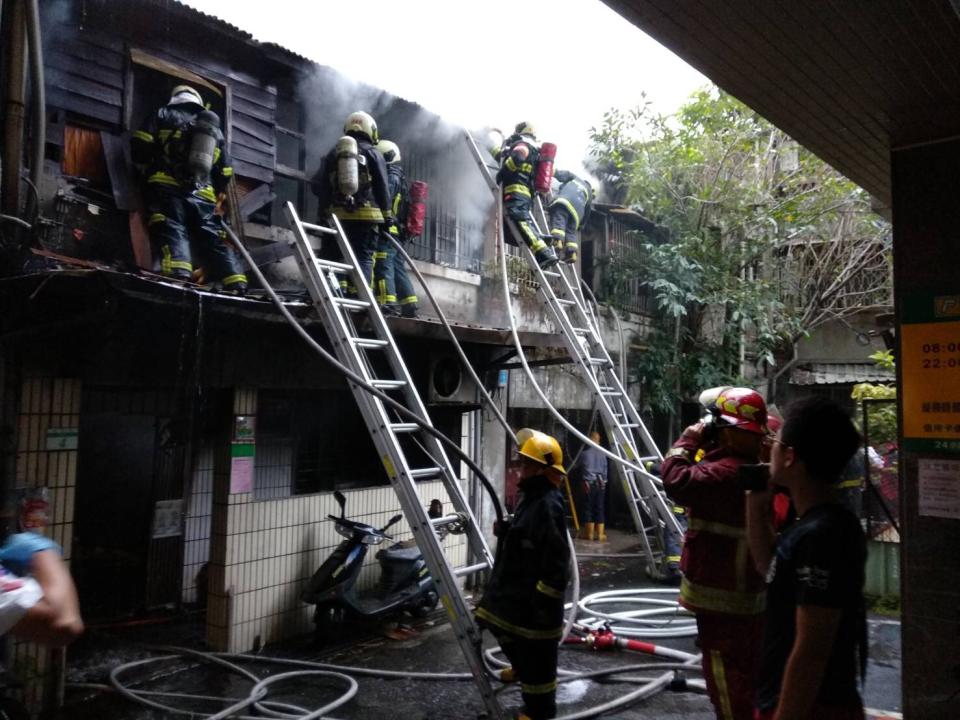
[[430, 648]]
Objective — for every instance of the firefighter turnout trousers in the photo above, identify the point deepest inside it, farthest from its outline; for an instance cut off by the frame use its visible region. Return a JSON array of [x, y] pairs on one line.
[[728, 643], [563, 229], [535, 665], [517, 208], [392, 284], [363, 238], [180, 223]]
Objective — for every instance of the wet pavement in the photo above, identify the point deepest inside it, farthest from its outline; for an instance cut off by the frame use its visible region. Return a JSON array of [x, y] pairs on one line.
[[430, 648]]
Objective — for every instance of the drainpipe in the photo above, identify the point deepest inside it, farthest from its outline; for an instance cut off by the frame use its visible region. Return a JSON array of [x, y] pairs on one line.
[[13, 104], [39, 101]]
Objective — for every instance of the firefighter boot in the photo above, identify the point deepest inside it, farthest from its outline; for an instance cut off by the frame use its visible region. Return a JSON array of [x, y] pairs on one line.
[[508, 675], [570, 253], [601, 536], [587, 532], [545, 257]]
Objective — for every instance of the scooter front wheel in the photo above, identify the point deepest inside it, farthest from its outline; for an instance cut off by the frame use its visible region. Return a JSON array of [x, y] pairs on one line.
[[427, 604], [328, 623]]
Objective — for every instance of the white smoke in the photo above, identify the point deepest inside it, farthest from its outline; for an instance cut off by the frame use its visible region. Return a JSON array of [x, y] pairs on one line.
[[429, 145]]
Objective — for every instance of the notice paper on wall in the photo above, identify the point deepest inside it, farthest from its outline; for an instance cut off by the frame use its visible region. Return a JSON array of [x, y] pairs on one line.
[[939, 494]]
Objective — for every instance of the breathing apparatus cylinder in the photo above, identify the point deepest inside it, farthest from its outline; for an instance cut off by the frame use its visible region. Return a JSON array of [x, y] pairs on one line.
[[417, 211], [204, 136], [348, 166], [544, 174]]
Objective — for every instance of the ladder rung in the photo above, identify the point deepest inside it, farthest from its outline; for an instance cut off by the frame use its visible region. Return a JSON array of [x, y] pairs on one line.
[[335, 266], [598, 361], [368, 342], [446, 519], [425, 472], [318, 228], [388, 384], [630, 425], [550, 273], [609, 392], [469, 569], [404, 427], [352, 304], [564, 301], [581, 331]]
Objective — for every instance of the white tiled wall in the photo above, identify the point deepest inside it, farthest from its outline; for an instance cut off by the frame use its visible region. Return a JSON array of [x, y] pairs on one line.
[[274, 546], [262, 552]]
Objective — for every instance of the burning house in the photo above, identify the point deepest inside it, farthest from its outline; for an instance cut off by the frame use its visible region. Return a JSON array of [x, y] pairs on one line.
[[188, 442]]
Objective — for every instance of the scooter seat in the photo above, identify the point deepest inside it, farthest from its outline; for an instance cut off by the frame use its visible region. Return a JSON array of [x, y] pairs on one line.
[[400, 553]]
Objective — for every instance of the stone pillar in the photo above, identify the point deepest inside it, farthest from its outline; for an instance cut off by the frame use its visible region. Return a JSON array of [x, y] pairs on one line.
[[926, 219]]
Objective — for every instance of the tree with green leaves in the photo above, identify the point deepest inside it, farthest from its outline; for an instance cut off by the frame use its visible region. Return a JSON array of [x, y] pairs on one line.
[[765, 241]]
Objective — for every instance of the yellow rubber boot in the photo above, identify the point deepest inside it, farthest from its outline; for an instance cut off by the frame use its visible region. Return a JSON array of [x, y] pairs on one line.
[[601, 536], [586, 532]]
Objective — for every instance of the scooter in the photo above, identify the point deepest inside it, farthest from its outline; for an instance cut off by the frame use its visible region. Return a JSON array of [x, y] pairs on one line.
[[404, 584]]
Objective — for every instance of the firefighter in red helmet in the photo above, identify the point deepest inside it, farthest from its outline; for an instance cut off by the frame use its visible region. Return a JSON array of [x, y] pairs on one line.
[[523, 602], [720, 584], [518, 161]]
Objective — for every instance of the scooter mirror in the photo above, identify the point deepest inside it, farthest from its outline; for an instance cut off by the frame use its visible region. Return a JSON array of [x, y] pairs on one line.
[[342, 501], [393, 521]]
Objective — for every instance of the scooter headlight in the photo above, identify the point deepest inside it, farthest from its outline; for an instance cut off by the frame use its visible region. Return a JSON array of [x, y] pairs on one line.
[[372, 539]]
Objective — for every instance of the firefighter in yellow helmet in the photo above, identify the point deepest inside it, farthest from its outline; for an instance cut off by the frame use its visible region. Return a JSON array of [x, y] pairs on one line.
[[523, 602], [392, 286], [181, 156], [518, 163], [351, 183]]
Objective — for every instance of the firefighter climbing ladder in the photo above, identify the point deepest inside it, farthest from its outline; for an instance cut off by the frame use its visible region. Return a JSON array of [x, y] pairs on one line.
[[625, 429], [337, 314]]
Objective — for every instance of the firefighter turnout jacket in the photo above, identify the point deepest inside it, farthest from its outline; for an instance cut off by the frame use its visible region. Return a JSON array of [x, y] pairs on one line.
[[575, 196], [371, 203], [160, 151], [525, 594], [718, 572], [397, 190], [519, 161]]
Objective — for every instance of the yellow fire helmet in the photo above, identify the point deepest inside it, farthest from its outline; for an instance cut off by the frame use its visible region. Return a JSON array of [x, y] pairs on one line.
[[185, 95], [525, 128], [541, 448]]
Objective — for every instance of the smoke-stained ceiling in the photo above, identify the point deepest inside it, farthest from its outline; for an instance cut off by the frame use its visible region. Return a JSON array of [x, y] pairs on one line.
[[849, 79]]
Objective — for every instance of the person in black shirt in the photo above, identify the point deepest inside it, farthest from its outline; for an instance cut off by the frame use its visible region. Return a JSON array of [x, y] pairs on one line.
[[814, 644]]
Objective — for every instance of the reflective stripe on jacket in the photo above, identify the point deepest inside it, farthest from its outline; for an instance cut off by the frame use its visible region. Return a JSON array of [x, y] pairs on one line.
[[525, 594], [719, 574]]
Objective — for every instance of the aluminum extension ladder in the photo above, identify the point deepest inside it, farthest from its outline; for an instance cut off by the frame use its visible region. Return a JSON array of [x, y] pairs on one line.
[[626, 433], [338, 313]]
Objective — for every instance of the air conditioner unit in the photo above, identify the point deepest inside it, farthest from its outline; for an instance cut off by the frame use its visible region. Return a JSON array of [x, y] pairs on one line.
[[449, 383]]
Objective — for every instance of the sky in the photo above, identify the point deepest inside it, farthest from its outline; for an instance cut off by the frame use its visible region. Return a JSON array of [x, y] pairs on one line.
[[559, 65]]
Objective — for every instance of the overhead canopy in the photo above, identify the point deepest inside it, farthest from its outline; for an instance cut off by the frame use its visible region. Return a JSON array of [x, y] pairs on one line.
[[850, 80]]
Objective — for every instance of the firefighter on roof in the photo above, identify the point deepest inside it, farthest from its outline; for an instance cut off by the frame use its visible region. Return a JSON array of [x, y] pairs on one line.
[[518, 162], [351, 183], [181, 156], [392, 285], [523, 602], [720, 583], [568, 213]]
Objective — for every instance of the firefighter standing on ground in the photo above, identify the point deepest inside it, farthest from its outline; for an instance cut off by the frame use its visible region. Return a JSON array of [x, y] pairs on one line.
[[523, 602], [720, 584], [351, 183], [569, 212], [518, 162], [181, 156], [392, 285], [595, 473]]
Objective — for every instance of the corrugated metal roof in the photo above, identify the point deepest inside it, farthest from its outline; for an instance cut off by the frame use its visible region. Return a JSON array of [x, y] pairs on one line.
[[839, 374]]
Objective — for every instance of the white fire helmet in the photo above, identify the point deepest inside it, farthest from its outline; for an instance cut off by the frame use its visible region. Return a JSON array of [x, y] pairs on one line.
[[363, 123], [185, 95]]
